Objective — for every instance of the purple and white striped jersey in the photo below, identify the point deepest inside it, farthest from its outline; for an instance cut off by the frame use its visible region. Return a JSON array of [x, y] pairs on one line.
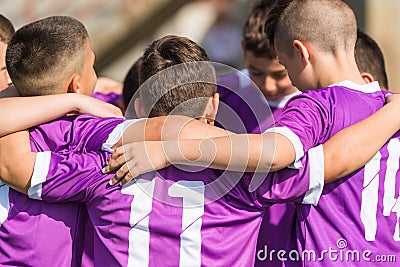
[[37, 233], [243, 98], [356, 222], [171, 217]]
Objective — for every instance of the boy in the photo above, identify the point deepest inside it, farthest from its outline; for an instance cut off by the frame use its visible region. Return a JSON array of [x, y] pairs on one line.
[[50, 56], [257, 96]]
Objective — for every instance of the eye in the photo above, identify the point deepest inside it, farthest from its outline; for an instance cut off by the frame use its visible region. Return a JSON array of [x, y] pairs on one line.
[[256, 73], [279, 75]]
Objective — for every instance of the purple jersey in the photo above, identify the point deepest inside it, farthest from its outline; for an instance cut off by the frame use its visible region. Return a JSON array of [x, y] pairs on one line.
[[36, 233], [173, 217], [356, 221], [112, 98], [242, 107], [243, 98]]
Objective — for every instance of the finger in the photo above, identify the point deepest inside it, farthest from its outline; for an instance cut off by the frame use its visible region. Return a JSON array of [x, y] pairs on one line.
[[117, 163], [133, 174], [117, 153], [119, 174], [128, 177]]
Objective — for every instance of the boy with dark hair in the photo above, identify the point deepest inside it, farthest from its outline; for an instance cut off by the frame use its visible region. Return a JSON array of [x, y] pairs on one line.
[[257, 95], [370, 60], [179, 95]]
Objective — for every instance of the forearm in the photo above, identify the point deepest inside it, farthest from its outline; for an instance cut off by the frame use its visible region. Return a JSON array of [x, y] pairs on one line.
[[25, 112], [169, 128], [252, 152], [353, 147], [16, 161]]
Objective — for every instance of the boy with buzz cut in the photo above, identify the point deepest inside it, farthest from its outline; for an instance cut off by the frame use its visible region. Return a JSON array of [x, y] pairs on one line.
[[356, 219], [315, 40], [47, 57], [174, 217]]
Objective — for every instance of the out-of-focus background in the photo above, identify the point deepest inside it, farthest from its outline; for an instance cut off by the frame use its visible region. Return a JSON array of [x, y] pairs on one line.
[[120, 29]]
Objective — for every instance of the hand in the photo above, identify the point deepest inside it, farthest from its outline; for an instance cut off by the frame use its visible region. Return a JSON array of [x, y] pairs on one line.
[[106, 86], [89, 105], [134, 159]]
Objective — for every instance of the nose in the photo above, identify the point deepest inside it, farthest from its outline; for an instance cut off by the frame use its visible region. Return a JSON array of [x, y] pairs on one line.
[[270, 84]]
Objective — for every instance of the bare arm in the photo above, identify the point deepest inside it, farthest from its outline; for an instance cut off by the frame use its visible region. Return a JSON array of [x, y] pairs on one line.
[[169, 128], [256, 152], [20, 113], [16, 161]]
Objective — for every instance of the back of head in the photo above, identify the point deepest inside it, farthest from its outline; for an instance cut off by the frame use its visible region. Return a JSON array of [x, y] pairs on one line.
[[176, 77], [254, 37], [42, 55], [328, 25], [369, 58], [131, 82], [6, 29]]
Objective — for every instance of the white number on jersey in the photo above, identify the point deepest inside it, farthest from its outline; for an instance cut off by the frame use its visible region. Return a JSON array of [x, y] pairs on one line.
[[192, 193], [369, 202]]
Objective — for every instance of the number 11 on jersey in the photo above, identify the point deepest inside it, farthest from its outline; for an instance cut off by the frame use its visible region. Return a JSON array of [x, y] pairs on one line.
[[192, 193]]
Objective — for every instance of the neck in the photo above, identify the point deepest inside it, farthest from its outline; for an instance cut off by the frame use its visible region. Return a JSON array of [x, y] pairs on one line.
[[332, 69]]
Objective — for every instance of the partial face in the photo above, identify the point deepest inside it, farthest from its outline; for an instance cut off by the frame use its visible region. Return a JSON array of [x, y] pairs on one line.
[[270, 77], [5, 80], [88, 77], [296, 70]]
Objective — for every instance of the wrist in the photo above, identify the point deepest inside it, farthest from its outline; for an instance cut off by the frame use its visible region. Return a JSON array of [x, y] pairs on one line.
[[74, 102]]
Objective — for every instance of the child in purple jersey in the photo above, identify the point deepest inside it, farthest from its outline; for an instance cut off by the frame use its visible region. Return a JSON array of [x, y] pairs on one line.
[[257, 96], [117, 233], [315, 41], [50, 56]]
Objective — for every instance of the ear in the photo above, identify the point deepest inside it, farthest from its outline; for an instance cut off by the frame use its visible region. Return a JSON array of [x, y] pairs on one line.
[[74, 84], [212, 108], [303, 51], [368, 78], [139, 108]]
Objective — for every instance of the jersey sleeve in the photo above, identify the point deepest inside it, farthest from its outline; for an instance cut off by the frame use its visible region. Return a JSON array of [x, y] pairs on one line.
[[305, 122], [94, 134], [89, 133], [302, 185], [60, 178]]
